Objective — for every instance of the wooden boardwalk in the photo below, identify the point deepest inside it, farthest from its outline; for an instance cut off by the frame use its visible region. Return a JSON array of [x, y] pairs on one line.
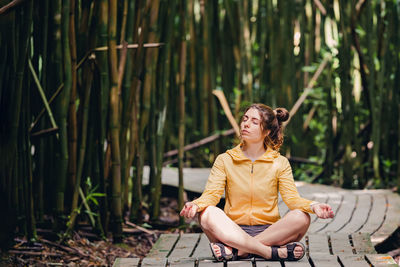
[[363, 219]]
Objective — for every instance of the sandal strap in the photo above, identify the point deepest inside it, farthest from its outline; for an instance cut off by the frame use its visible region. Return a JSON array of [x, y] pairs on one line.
[[274, 253], [224, 256], [235, 254], [290, 251]]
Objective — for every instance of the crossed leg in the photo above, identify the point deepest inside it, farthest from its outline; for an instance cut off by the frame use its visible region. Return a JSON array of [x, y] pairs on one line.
[[220, 228]]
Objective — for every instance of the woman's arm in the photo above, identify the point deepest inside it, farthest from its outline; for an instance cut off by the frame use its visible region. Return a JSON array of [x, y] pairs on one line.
[[292, 198], [288, 189], [212, 194]]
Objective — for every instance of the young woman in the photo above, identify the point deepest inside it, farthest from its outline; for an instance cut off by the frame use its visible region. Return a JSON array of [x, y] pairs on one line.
[[252, 174]]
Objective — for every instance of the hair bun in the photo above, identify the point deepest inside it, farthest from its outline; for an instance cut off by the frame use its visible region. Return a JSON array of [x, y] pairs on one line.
[[282, 114]]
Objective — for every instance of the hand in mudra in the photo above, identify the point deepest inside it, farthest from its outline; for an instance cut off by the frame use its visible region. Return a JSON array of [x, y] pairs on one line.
[[323, 211], [189, 210]]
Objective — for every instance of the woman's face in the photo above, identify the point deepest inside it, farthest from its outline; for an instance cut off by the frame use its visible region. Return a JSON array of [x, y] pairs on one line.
[[250, 127]]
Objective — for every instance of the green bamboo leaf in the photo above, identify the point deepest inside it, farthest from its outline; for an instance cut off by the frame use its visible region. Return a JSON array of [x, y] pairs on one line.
[[309, 68]]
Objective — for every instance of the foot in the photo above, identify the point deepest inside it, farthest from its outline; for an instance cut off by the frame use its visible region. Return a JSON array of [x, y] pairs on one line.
[[298, 252], [228, 251], [292, 252], [222, 252], [218, 252]]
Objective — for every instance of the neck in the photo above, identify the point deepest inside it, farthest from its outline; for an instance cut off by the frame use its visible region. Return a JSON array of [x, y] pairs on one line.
[[253, 150]]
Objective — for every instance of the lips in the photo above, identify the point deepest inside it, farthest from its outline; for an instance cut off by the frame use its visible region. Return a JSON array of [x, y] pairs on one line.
[[245, 132]]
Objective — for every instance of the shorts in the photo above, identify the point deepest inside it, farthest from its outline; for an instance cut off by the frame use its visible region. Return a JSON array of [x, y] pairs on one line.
[[254, 230]]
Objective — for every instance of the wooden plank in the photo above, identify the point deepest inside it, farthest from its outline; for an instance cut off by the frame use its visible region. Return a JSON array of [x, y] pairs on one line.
[[181, 262], [318, 243], [378, 260], [161, 262], [377, 214], [324, 260], [163, 246], [262, 263], [334, 200], [301, 263], [194, 179], [126, 262], [185, 246], [209, 263], [340, 244], [362, 243], [360, 214], [203, 251], [343, 215], [353, 261], [392, 219], [242, 263]]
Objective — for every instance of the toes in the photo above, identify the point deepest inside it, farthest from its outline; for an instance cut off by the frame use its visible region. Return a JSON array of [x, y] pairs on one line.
[[217, 250]]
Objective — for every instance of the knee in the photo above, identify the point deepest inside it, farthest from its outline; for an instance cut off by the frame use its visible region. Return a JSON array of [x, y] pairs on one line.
[[206, 216], [300, 218]]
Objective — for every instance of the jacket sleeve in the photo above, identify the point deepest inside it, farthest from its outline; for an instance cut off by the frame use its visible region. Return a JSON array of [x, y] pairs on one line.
[[215, 185], [288, 190]]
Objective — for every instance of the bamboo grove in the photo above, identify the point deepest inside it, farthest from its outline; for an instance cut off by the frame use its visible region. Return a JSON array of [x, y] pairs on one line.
[[92, 91]]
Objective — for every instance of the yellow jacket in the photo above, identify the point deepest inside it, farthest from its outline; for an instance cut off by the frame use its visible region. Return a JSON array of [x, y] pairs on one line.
[[251, 188]]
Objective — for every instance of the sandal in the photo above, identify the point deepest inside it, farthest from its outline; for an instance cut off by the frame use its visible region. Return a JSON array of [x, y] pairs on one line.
[[290, 252], [224, 257]]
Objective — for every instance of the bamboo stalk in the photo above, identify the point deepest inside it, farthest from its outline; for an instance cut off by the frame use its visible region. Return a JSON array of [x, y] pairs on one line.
[[206, 91], [224, 103], [150, 62], [182, 79], [127, 102], [42, 144], [164, 89], [31, 220], [320, 7], [136, 85], [22, 48], [103, 99], [63, 111], [124, 22], [42, 94], [310, 86], [114, 125], [77, 191], [44, 109], [10, 6], [244, 41], [72, 118], [201, 142]]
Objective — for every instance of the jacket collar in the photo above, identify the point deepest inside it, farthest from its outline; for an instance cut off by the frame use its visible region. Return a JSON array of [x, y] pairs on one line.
[[237, 154]]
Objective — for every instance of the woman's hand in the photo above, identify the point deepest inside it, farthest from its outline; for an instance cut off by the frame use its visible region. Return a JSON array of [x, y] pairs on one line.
[[322, 210], [189, 210]]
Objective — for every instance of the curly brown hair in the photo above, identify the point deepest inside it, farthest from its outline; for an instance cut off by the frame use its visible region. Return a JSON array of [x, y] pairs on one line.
[[271, 121]]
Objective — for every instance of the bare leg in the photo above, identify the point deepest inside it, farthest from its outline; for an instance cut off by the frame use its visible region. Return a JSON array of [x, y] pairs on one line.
[[220, 228], [292, 227]]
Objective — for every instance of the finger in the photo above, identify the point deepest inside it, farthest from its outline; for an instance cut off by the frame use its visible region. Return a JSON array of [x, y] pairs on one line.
[[185, 210], [326, 214], [192, 212]]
